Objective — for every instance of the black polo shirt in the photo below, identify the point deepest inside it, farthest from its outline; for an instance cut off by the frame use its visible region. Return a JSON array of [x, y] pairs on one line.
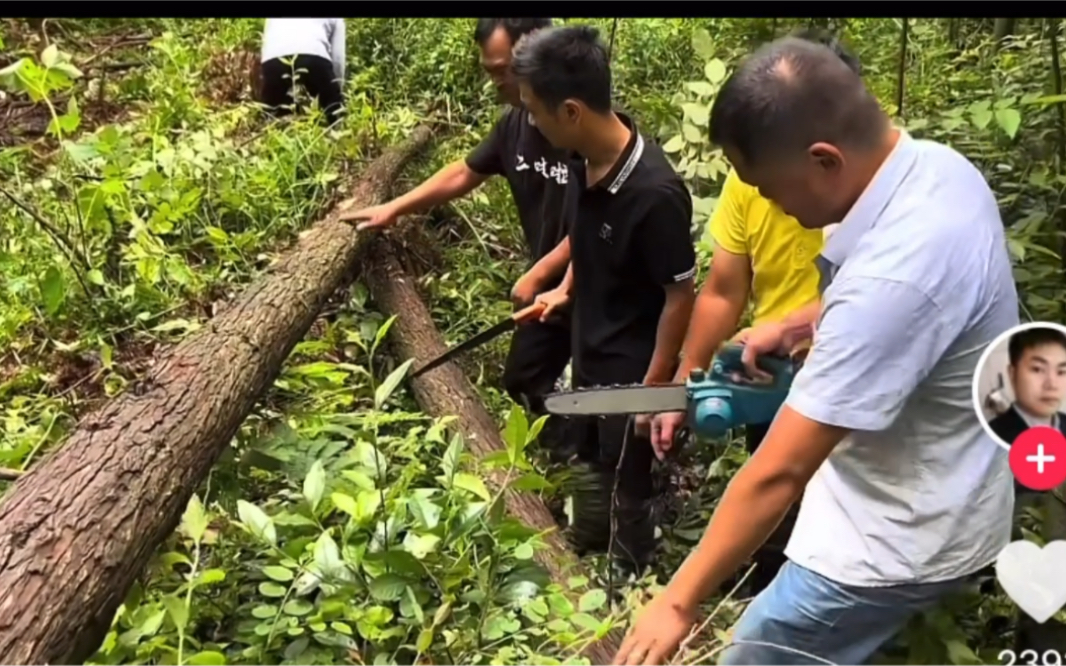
[[629, 237], [536, 172]]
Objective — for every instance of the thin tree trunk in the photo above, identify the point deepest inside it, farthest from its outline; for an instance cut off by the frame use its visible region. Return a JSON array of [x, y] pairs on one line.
[[446, 391], [78, 528]]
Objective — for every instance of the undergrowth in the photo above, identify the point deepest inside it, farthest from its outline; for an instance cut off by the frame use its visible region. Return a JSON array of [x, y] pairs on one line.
[[343, 525]]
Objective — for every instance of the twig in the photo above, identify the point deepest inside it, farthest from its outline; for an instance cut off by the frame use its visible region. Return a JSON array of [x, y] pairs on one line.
[[48, 226], [65, 245], [7, 474]]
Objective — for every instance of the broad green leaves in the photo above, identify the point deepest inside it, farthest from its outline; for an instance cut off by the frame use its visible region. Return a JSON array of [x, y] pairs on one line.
[[385, 390]]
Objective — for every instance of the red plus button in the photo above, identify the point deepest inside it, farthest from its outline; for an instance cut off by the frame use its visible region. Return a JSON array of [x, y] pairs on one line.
[[1038, 458]]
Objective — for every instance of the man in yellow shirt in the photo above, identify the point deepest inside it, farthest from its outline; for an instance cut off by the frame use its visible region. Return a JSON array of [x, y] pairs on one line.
[[762, 255]]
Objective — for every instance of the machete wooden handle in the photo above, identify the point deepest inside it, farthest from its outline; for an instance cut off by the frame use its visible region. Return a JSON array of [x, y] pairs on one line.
[[528, 314]]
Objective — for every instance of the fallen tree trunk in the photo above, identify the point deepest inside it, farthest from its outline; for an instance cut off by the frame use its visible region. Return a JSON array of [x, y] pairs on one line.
[[78, 528], [446, 391]]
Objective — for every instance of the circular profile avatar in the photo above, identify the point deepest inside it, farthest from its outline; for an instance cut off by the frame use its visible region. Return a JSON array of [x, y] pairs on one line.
[[1021, 382]]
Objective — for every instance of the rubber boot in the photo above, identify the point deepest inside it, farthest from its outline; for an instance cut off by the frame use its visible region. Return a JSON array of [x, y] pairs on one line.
[[633, 524], [634, 535], [590, 528]]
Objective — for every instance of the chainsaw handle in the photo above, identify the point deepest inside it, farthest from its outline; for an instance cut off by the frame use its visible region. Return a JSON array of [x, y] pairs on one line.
[[528, 313], [774, 364]]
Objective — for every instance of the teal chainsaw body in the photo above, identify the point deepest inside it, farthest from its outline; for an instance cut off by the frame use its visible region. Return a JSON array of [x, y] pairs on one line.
[[718, 403], [715, 400]]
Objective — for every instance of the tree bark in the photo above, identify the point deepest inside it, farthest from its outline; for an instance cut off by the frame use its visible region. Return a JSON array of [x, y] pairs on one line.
[[77, 529], [446, 391]]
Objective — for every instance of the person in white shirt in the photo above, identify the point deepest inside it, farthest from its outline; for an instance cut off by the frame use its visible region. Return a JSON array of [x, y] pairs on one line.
[[310, 52], [905, 496]]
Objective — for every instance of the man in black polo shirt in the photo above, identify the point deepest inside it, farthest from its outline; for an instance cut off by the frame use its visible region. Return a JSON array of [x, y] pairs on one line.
[[537, 174], [632, 265]]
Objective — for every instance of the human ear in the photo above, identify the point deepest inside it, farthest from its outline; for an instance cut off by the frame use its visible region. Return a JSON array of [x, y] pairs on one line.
[[826, 156], [571, 111]]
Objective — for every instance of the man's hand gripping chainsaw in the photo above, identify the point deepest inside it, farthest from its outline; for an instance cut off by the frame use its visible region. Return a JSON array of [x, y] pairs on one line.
[[715, 401]]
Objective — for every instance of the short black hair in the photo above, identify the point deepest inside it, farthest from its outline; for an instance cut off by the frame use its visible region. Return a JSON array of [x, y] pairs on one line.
[[568, 62], [516, 27], [792, 93], [1033, 337], [831, 42]]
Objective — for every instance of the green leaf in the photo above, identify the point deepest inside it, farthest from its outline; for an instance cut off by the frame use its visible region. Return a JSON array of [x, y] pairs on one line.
[[699, 114], [264, 612], [691, 132], [278, 573], [385, 390], [359, 478], [53, 290], [257, 522], [473, 484], [981, 117], [701, 88], [524, 551], [369, 502], [714, 70], [450, 462], [592, 601], [298, 607], [383, 330], [328, 556], [585, 621], [1009, 121], [345, 503], [424, 509], [210, 577], [425, 640], [387, 587], [674, 145], [515, 433], [315, 484], [420, 545], [177, 611], [270, 589], [960, 653], [94, 276], [194, 520], [207, 658], [702, 44], [517, 426], [50, 56]]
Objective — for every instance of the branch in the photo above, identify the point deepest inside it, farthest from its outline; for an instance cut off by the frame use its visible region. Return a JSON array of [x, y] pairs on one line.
[[7, 474]]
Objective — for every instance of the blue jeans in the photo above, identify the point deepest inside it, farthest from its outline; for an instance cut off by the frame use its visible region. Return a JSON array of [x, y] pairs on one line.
[[805, 618]]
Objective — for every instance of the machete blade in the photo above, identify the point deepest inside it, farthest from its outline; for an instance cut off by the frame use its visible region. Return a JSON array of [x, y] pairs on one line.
[[618, 400], [476, 341], [527, 314]]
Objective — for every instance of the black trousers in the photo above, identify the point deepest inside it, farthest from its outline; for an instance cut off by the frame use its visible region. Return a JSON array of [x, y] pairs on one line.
[[312, 73], [771, 556], [538, 355]]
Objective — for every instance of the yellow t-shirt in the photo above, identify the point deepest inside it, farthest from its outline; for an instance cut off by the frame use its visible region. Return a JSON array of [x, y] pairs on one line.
[[781, 252]]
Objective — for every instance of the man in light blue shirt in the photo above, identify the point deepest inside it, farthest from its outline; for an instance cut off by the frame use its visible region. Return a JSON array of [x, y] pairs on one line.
[[905, 495]]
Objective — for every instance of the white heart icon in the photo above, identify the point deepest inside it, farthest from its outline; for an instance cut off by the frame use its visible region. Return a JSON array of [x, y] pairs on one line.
[[1032, 577]]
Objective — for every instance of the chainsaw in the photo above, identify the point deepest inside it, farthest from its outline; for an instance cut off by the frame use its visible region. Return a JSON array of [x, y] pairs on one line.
[[715, 401]]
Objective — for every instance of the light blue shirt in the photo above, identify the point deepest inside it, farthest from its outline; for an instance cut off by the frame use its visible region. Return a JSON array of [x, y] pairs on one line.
[[917, 282]]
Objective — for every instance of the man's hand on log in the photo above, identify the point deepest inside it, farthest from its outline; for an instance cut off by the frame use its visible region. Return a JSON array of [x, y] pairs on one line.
[[374, 217]]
